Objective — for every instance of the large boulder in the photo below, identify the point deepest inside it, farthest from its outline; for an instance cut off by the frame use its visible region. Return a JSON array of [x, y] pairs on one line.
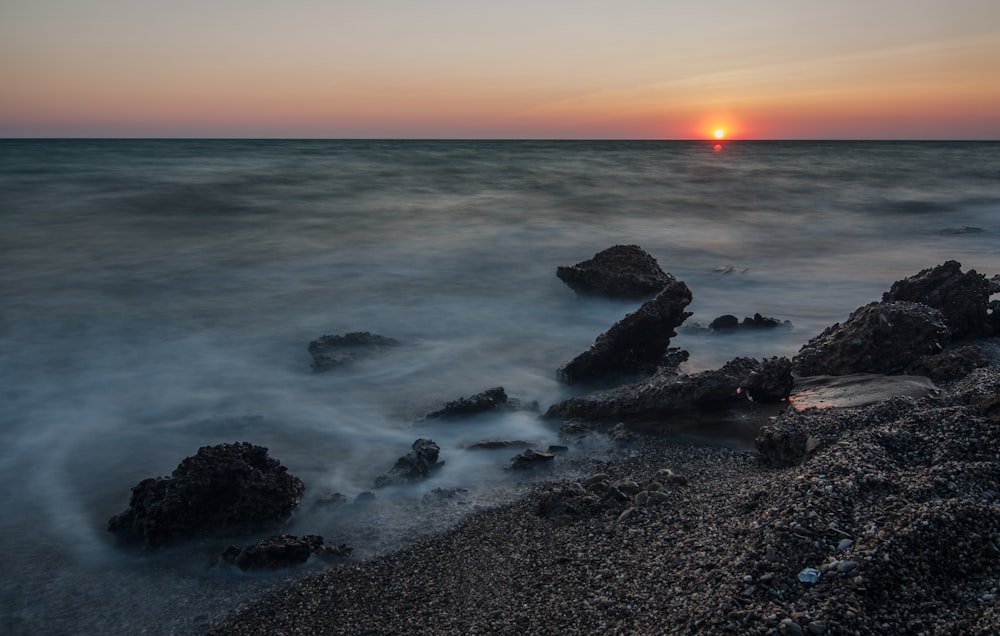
[[622, 271], [416, 465], [639, 343], [667, 393], [963, 298], [224, 488], [877, 338], [330, 352]]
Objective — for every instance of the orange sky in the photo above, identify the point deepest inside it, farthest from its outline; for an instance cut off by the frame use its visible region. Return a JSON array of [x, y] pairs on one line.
[[543, 69]]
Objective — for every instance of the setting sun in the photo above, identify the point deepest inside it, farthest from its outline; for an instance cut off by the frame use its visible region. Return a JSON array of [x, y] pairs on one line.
[[719, 133]]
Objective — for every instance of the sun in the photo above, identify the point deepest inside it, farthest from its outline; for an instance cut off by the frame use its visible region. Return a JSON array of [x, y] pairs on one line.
[[719, 133]]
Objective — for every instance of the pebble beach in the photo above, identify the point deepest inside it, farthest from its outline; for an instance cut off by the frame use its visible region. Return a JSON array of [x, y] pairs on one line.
[[891, 525]]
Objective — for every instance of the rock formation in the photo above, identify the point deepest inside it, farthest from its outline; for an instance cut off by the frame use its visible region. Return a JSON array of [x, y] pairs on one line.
[[622, 271], [416, 465], [330, 352]]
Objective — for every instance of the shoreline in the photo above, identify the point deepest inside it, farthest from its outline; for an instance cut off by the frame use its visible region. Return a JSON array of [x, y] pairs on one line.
[[896, 509]]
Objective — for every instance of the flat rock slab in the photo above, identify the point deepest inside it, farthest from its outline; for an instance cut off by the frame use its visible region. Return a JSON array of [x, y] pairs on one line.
[[856, 389]]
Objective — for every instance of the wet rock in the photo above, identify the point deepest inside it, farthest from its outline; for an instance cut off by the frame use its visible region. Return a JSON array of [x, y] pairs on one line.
[[877, 338], [531, 458], [948, 366], [666, 393], [637, 344], [497, 444], [489, 401], [856, 389], [963, 298], [622, 271], [329, 352], [772, 382], [223, 488], [784, 443], [729, 322], [416, 465], [281, 551]]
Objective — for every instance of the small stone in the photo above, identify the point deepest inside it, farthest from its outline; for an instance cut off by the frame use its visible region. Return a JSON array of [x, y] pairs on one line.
[[844, 544], [816, 627], [809, 575], [791, 627], [847, 566]]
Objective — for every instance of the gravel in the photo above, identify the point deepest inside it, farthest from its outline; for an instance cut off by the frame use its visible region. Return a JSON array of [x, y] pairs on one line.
[[898, 509]]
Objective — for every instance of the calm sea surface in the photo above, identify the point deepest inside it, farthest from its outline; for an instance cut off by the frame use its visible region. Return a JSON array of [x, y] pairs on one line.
[[158, 296]]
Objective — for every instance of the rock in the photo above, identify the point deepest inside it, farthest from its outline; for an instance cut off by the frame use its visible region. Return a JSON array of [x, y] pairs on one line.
[[281, 551], [497, 444], [666, 393], [329, 352], [439, 495], [856, 389], [416, 465], [771, 383], [962, 298], [622, 271], [877, 338], [784, 443], [531, 458], [224, 488], [948, 366], [729, 322], [636, 344], [491, 400]]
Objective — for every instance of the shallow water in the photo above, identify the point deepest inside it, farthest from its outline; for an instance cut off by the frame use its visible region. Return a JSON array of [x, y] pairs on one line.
[[158, 296]]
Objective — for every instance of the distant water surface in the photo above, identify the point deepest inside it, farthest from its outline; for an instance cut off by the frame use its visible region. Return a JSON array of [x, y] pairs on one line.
[[158, 296]]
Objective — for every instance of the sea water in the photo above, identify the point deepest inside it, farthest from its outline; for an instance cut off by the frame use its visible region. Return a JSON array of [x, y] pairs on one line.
[[158, 296]]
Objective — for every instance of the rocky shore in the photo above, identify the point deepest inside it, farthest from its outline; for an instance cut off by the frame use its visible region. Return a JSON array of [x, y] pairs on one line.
[[896, 510], [878, 513]]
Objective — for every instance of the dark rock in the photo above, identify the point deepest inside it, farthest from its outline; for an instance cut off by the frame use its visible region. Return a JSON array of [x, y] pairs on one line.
[[877, 338], [531, 458], [329, 352], [224, 488], [416, 465], [665, 394], [365, 497], [281, 551], [330, 499], [636, 344], [730, 322], [784, 443], [622, 434], [488, 401], [727, 321], [771, 383], [622, 271], [962, 298], [948, 366]]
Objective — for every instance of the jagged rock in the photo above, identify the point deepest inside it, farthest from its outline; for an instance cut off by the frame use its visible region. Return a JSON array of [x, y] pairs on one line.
[[784, 443], [224, 488], [416, 465], [962, 298], [639, 343], [665, 393], [730, 322], [329, 352], [948, 366], [877, 338], [622, 271], [531, 458], [281, 551], [491, 400]]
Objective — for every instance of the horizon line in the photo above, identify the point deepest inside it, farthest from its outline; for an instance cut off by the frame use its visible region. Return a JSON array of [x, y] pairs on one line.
[[507, 139]]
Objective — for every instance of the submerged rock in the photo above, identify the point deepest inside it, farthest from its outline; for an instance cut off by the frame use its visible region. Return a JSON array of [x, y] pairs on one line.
[[281, 551], [963, 298], [224, 488], [622, 271], [667, 393], [639, 343], [877, 338], [531, 458], [491, 400], [330, 352], [730, 322], [416, 465]]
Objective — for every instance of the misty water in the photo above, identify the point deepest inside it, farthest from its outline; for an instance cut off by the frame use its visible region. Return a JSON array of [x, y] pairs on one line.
[[158, 296]]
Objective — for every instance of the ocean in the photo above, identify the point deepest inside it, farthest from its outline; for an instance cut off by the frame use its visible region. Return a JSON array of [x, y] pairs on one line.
[[157, 296]]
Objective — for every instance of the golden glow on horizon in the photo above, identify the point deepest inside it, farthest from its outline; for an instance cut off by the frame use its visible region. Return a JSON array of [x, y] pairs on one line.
[[719, 133]]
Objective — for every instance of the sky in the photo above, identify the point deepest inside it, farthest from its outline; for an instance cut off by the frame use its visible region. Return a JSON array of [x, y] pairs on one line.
[[548, 69]]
